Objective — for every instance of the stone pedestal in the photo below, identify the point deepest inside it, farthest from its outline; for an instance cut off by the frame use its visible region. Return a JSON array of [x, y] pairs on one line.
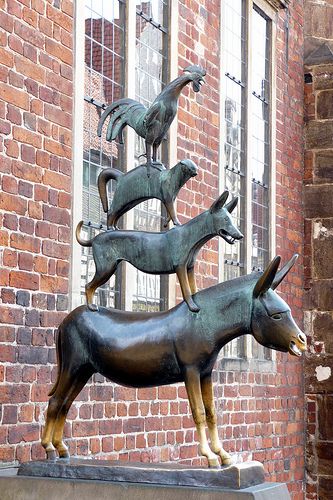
[[76, 480]]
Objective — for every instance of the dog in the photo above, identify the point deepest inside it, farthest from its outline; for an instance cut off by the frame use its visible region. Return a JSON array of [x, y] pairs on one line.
[[134, 187], [173, 251]]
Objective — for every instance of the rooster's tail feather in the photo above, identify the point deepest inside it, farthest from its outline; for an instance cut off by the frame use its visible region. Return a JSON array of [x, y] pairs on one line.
[[120, 113]]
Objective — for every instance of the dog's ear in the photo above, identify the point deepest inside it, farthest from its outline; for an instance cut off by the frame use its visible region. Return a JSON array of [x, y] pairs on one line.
[[232, 204], [218, 204]]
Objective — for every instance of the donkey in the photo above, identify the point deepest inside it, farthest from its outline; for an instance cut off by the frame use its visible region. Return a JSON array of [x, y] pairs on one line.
[[173, 251], [152, 349], [134, 187]]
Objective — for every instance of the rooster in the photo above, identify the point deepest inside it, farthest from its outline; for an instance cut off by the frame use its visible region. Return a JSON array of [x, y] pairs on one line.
[[153, 123]]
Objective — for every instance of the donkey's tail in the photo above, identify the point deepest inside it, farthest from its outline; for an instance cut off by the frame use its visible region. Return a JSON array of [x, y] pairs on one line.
[[106, 175], [59, 361], [84, 243]]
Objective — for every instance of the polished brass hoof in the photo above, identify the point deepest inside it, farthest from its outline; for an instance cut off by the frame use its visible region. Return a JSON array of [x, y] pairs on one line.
[[51, 455], [213, 463], [227, 461], [64, 455]]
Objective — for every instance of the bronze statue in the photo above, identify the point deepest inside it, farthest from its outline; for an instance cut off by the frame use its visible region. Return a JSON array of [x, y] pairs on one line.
[[173, 251], [151, 349], [133, 187], [153, 123]]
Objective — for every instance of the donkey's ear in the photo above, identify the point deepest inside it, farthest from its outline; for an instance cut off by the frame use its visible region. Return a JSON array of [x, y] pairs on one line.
[[266, 279], [218, 204], [232, 204], [284, 271]]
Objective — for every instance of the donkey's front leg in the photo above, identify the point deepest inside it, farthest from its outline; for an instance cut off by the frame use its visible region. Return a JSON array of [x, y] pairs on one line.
[[186, 290], [192, 383], [208, 400]]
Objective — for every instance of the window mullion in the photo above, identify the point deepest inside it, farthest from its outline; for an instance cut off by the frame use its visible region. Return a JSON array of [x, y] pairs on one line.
[[129, 276], [248, 156]]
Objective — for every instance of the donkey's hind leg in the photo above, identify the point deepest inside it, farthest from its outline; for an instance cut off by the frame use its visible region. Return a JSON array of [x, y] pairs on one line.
[[75, 384], [208, 400], [192, 383]]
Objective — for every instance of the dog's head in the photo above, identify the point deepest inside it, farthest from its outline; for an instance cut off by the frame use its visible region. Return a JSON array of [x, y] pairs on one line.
[[222, 220]]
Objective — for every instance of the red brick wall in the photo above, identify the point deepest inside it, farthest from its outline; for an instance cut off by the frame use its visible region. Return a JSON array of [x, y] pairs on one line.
[[36, 39], [262, 414]]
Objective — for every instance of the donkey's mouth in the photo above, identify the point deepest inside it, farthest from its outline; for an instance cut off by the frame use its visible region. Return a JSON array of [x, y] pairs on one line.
[[293, 349], [226, 236]]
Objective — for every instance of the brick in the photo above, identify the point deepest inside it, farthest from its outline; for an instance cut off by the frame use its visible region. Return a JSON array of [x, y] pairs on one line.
[[58, 51], [12, 148], [24, 242], [21, 279], [14, 115], [29, 34], [25, 189], [28, 153], [51, 284], [11, 315], [56, 180], [14, 96], [13, 203], [29, 69], [10, 221], [60, 18], [27, 172], [9, 184], [27, 136], [30, 16], [57, 148], [6, 58], [56, 215]]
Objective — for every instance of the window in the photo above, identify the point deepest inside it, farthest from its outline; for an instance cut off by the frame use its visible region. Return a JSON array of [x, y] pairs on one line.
[[248, 153], [114, 42]]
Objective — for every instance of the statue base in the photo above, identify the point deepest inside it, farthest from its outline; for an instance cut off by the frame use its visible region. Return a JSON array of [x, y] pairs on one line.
[[236, 476], [69, 480]]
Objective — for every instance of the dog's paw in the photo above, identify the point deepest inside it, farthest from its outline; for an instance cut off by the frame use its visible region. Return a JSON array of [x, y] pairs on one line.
[[192, 306], [92, 307]]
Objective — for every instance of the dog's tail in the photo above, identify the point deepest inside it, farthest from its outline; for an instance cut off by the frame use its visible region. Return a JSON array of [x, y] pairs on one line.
[[106, 175], [84, 243]]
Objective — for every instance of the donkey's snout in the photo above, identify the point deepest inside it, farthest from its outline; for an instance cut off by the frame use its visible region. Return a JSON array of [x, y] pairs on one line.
[[301, 337]]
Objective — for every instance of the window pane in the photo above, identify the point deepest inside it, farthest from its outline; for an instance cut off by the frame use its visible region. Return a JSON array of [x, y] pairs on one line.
[[150, 77], [104, 83], [260, 146], [234, 53]]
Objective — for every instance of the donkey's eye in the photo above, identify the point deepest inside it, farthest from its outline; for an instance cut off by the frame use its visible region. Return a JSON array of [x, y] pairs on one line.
[[277, 316]]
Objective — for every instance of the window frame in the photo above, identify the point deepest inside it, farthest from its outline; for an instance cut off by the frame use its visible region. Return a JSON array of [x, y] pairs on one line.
[[129, 136], [245, 360]]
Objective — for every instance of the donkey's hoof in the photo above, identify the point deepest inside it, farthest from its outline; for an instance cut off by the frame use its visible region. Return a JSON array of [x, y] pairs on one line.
[[51, 455], [226, 459], [213, 463], [92, 307]]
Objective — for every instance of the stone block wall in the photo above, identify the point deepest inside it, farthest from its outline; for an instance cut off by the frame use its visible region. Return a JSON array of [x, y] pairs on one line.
[[261, 414], [318, 211]]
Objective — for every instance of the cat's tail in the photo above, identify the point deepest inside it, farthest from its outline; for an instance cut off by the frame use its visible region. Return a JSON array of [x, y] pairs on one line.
[[106, 175]]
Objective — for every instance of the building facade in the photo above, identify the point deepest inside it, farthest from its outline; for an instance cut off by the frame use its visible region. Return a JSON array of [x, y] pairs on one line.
[[61, 63]]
